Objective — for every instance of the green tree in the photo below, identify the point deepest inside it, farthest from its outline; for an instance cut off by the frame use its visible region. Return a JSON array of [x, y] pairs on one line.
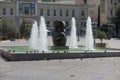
[[116, 20], [13, 29], [101, 35], [104, 28], [25, 29], [108, 29], [9, 28], [22, 29]]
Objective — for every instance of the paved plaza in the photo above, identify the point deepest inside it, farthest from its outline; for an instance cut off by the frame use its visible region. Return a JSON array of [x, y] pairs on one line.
[[70, 69]]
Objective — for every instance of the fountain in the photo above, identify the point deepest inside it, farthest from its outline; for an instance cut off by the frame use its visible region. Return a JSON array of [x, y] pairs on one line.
[[34, 35], [42, 37], [73, 37], [38, 39], [89, 41]]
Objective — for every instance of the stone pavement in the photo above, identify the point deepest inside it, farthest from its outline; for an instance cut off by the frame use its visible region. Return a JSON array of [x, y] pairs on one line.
[[76, 69]]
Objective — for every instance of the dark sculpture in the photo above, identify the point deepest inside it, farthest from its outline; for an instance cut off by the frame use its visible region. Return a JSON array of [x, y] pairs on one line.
[[59, 38]]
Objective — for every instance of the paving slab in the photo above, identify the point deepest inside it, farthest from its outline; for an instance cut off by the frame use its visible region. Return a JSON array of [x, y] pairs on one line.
[[72, 69]]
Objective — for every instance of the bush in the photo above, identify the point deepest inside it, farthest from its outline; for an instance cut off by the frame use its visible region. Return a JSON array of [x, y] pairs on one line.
[[101, 35]]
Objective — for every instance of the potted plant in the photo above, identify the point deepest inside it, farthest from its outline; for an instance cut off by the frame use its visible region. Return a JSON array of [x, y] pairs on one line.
[[101, 35]]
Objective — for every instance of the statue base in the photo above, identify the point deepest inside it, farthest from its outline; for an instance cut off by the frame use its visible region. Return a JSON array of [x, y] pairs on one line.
[[59, 47]]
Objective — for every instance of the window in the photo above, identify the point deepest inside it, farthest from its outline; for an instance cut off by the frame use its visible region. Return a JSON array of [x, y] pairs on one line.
[[111, 1], [118, 1], [67, 24], [61, 12], [32, 8], [85, 1], [41, 12], [111, 12], [73, 13], [26, 9], [11, 11], [20, 8], [48, 23], [54, 12], [83, 13], [48, 12], [82, 24], [115, 2], [4, 11], [67, 12]]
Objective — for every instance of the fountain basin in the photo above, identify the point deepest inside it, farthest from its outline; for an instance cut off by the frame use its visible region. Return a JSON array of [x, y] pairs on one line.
[[27, 49], [60, 48], [55, 54]]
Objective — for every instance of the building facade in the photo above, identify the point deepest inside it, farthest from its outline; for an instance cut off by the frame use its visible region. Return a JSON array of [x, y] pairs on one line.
[[108, 11], [52, 10]]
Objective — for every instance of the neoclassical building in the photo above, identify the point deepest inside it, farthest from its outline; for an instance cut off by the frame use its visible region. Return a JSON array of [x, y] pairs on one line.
[[108, 11], [52, 10]]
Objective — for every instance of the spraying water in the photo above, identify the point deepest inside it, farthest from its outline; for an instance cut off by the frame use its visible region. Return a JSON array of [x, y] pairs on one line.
[[34, 36], [89, 41], [42, 38], [73, 37]]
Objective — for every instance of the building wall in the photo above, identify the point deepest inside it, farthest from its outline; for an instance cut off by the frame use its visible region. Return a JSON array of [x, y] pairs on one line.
[[103, 11], [81, 13], [93, 8], [7, 6], [79, 1], [108, 11], [67, 19], [112, 5]]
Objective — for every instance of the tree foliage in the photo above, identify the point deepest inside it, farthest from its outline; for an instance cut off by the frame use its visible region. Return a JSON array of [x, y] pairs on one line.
[[116, 20], [22, 29], [101, 35], [25, 29], [8, 28], [108, 29]]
